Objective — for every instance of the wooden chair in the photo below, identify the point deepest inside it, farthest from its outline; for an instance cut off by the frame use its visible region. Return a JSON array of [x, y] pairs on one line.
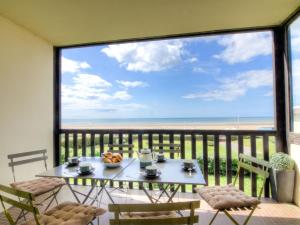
[[146, 214], [37, 187], [167, 148], [67, 212], [228, 198]]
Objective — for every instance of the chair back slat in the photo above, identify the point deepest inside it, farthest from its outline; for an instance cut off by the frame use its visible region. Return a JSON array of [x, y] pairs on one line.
[[24, 154], [152, 207], [164, 221], [18, 193], [253, 165], [23, 158], [26, 161], [17, 204], [254, 169], [249, 158], [118, 209]]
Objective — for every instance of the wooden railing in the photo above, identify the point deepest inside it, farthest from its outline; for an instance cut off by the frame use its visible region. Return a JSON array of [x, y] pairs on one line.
[[216, 150]]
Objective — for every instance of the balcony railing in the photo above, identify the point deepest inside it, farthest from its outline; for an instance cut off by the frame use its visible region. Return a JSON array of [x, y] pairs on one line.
[[216, 150]]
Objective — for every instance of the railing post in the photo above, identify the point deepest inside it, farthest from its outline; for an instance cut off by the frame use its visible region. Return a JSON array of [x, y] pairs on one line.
[[217, 159], [228, 159], [266, 158], [279, 90], [241, 150], [205, 157], [253, 175]]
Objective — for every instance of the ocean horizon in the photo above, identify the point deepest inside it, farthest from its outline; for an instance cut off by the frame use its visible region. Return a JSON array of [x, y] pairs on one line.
[[183, 120]]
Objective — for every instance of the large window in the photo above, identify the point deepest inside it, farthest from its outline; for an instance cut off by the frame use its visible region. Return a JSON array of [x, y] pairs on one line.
[[212, 82], [294, 41]]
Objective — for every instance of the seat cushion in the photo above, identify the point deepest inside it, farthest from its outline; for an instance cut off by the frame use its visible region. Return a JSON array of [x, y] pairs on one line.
[[226, 197], [148, 215], [38, 186], [68, 213]]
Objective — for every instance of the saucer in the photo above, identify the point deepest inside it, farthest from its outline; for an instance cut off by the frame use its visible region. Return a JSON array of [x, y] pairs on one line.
[[161, 161], [151, 176], [85, 173], [187, 169], [69, 164]]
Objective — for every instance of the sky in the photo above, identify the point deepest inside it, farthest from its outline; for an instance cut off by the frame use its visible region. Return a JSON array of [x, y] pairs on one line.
[[214, 76], [295, 59]]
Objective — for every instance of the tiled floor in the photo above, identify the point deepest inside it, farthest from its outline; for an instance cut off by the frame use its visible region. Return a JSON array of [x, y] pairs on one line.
[[268, 212]]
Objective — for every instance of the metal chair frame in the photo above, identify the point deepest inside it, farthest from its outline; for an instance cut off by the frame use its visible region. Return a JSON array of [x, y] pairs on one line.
[[190, 219], [23, 158], [253, 165], [25, 204]]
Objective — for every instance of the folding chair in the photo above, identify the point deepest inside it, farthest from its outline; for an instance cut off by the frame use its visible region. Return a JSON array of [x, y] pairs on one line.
[[228, 198], [162, 213], [37, 187], [64, 213]]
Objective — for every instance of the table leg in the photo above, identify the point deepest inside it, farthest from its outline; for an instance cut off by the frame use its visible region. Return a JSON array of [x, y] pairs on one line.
[[174, 193], [86, 196], [74, 194], [94, 184], [108, 194], [103, 184], [148, 195], [163, 190]]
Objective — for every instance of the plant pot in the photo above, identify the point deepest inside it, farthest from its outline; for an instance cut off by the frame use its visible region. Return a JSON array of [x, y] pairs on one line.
[[282, 185]]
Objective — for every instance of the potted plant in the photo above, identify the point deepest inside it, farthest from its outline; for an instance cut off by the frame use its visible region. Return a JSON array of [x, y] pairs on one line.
[[282, 177]]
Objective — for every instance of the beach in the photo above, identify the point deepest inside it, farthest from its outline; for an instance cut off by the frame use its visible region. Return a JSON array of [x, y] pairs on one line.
[[170, 126]]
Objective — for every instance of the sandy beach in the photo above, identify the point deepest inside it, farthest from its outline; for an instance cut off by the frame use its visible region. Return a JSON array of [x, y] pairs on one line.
[[220, 126]]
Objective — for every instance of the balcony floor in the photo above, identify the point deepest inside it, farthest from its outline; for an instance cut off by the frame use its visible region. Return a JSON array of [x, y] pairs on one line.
[[268, 212]]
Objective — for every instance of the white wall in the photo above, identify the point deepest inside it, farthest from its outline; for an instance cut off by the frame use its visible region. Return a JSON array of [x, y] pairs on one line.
[[26, 97]]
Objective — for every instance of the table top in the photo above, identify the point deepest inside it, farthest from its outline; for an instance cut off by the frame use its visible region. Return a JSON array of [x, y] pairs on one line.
[[172, 172], [130, 171], [100, 172]]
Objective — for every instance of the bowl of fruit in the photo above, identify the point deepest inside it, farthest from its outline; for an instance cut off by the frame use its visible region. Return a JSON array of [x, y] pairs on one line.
[[112, 160]]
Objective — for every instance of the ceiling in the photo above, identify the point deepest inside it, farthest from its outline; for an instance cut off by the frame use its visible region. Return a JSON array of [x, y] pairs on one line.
[[70, 22]]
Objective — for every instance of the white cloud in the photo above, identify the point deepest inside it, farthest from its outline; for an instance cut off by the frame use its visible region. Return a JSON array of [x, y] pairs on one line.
[[147, 56], [72, 66], [192, 60], [199, 69], [269, 94], [296, 80], [121, 95], [233, 88], [90, 91], [131, 84], [244, 46], [295, 35], [206, 69]]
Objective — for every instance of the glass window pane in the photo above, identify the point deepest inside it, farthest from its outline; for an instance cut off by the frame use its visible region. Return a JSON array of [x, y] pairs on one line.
[[294, 31], [218, 82]]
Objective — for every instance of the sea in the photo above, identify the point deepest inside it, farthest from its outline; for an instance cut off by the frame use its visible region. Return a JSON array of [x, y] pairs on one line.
[[173, 121]]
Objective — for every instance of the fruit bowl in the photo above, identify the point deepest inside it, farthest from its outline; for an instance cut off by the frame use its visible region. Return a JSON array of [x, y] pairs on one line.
[[112, 165], [112, 160]]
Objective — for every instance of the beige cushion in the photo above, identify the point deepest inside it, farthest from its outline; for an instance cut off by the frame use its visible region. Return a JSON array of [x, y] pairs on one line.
[[226, 197], [68, 213], [148, 215], [38, 186]]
